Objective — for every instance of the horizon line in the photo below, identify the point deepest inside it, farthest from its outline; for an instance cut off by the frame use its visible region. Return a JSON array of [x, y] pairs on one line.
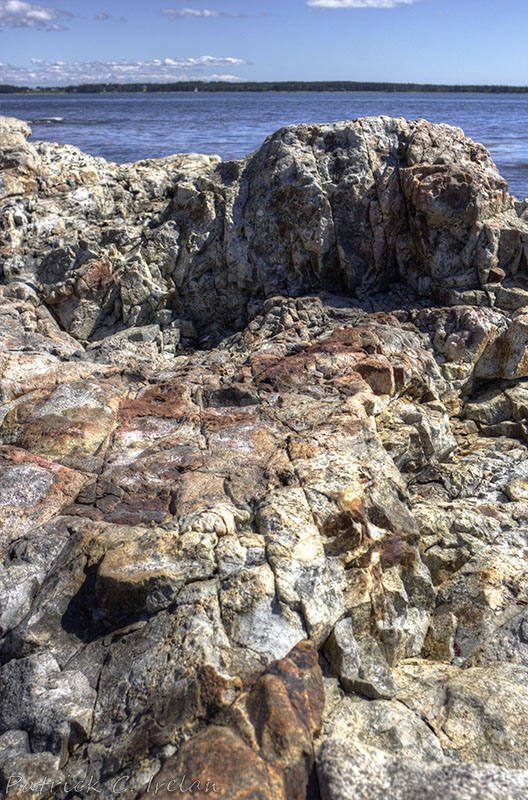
[[283, 85]]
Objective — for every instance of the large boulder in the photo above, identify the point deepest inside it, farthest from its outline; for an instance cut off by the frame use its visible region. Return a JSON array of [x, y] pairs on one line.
[[356, 207]]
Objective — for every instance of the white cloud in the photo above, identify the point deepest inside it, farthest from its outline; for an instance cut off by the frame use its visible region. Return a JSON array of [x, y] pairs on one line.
[[194, 13], [174, 13], [62, 73], [19, 14], [228, 77], [359, 3]]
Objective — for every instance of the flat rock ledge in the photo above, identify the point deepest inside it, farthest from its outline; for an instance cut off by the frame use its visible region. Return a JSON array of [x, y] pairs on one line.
[[263, 470]]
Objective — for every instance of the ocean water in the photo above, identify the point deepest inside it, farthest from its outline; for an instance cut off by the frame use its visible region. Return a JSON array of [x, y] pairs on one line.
[[129, 127]]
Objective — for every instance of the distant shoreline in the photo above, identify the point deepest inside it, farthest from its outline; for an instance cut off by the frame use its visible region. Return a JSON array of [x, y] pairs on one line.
[[264, 86]]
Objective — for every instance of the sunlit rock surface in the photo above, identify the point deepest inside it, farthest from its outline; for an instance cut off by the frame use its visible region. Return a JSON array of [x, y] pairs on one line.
[[263, 450]]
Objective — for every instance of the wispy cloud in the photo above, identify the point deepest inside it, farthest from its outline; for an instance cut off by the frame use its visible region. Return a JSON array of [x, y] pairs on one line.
[[104, 17], [19, 14], [195, 13], [62, 73], [359, 3]]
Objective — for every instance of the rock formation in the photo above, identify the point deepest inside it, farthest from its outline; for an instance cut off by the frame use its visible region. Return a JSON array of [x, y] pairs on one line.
[[263, 470]]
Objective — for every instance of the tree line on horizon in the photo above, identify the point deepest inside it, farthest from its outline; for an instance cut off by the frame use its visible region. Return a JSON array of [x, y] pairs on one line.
[[261, 86]]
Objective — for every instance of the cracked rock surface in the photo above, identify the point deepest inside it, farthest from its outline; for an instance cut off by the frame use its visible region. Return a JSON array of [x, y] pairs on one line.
[[263, 470]]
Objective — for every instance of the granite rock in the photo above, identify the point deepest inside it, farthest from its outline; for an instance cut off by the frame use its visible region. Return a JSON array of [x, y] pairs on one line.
[[368, 774], [349, 207], [263, 434]]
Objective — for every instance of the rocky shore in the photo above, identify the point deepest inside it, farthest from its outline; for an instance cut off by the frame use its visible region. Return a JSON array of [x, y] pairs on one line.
[[263, 470]]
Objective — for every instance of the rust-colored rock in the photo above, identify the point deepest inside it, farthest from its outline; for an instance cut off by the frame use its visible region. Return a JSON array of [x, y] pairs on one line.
[[261, 748], [32, 491]]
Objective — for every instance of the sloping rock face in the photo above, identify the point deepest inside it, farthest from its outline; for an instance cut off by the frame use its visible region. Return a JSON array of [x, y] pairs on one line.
[[263, 470]]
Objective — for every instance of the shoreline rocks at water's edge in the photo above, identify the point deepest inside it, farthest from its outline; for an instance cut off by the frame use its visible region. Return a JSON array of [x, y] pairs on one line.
[[343, 471]]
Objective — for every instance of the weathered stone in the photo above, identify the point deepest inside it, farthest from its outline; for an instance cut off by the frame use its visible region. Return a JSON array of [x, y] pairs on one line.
[[478, 714], [54, 706], [518, 397], [267, 753], [32, 491], [68, 425], [512, 298], [374, 675], [426, 204], [440, 640], [16, 152], [489, 408], [368, 774], [517, 490], [342, 653], [514, 355], [348, 467], [385, 724], [31, 776]]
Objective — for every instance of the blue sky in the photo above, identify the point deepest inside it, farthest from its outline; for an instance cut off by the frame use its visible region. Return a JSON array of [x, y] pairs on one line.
[[437, 41]]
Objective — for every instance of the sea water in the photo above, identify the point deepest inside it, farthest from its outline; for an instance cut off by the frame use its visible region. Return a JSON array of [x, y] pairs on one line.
[[129, 127]]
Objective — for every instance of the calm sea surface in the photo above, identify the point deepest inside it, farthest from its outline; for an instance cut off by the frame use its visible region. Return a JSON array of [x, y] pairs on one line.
[[128, 127]]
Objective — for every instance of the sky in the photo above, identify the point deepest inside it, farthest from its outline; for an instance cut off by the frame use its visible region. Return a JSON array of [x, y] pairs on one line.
[[418, 41]]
